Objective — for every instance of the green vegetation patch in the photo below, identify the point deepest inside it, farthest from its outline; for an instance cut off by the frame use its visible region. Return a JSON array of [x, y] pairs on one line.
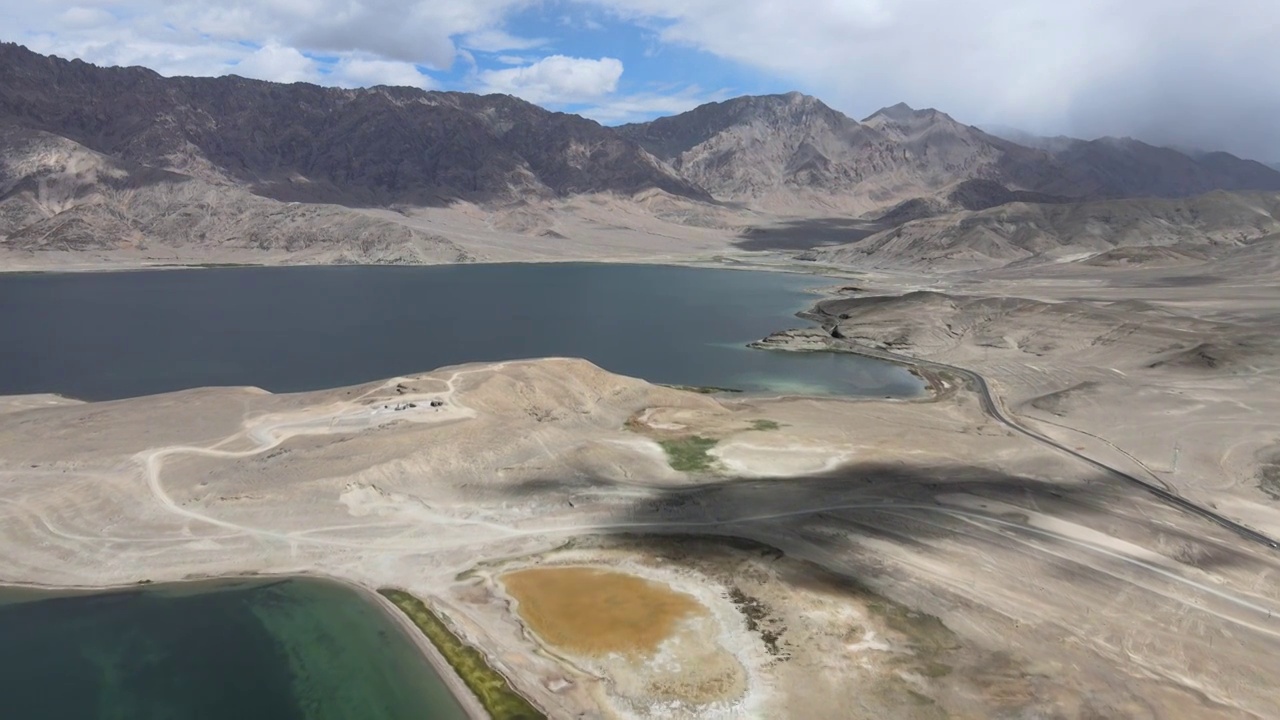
[[490, 687], [765, 425], [926, 633], [702, 389], [1269, 481], [689, 454]]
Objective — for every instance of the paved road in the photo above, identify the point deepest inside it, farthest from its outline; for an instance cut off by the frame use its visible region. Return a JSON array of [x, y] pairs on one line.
[[992, 407]]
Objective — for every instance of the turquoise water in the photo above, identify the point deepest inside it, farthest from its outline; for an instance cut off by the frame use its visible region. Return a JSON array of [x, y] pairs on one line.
[[111, 335], [283, 650]]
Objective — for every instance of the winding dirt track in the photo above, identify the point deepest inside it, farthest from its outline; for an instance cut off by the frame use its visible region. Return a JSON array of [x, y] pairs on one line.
[[992, 406], [1008, 544], [344, 420]]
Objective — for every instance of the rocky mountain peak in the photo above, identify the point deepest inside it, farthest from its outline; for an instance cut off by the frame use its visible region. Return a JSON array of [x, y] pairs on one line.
[[792, 106], [900, 112], [904, 118]]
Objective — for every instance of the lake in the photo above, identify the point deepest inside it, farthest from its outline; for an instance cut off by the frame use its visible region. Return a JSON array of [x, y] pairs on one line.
[[280, 650], [99, 336], [308, 649]]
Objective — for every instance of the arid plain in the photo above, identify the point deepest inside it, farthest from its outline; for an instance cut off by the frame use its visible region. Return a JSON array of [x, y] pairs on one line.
[[771, 557]]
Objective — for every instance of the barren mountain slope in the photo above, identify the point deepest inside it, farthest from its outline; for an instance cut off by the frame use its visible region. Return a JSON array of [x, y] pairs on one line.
[[1124, 167], [151, 161], [791, 151], [303, 142], [59, 196], [1101, 233]]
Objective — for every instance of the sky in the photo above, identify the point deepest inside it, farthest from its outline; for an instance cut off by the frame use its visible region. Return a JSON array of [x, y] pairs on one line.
[[1190, 73]]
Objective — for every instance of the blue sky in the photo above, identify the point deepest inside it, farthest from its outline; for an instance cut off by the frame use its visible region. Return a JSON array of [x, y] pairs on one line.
[[657, 78], [602, 61], [1197, 73]]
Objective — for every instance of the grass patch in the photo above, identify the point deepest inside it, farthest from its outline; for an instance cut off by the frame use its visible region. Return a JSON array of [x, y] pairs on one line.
[[702, 389], [925, 631], [759, 620], [206, 265], [934, 669], [490, 687], [1269, 481], [689, 454], [765, 425]]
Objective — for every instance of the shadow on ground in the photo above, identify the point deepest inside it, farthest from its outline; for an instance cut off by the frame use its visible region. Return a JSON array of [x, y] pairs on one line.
[[806, 234], [835, 534], [893, 503]]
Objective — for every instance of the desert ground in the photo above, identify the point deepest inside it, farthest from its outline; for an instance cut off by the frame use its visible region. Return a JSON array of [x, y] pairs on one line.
[[620, 549], [651, 227], [1079, 522]]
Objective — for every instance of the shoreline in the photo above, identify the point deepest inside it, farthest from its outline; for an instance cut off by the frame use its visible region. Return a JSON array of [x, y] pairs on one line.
[[462, 695], [818, 293], [453, 682], [959, 505], [725, 262]]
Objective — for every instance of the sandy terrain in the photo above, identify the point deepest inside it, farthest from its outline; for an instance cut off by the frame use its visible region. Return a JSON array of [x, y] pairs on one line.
[[836, 558], [650, 227], [1166, 374], [848, 559]]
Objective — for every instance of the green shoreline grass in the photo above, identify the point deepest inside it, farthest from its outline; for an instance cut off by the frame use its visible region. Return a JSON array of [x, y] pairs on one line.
[[689, 454], [493, 691], [701, 389]]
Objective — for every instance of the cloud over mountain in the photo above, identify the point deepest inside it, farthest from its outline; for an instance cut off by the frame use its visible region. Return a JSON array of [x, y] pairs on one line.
[[1191, 73], [556, 79]]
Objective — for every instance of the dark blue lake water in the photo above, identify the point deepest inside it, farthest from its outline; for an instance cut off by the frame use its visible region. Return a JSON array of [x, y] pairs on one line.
[[111, 335]]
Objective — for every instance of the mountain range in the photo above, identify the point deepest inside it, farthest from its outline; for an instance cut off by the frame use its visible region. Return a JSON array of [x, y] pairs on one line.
[[1101, 233], [96, 158], [771, 150]]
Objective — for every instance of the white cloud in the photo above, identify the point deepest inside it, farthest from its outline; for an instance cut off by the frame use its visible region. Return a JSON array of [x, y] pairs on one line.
[[1200, 70], [365, 72], [412, 31], [580, 22], [82, 18], [494, 40], [556, 79], [281, 64], [1195, 72], [643, 106]]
